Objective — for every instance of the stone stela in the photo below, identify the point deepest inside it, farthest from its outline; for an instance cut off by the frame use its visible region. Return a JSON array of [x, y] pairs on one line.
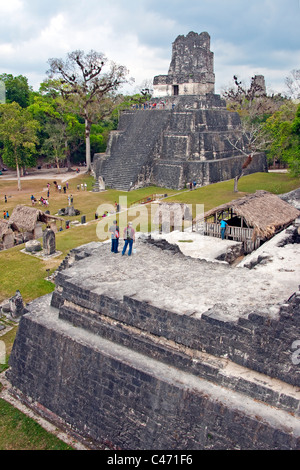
[[49, 242]]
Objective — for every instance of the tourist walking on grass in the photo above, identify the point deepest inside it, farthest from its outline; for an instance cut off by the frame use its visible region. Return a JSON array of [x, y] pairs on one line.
[[129, 237]]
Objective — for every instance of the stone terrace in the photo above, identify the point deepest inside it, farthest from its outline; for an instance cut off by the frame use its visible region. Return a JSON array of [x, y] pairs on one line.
[[163, 351], [169, 280]]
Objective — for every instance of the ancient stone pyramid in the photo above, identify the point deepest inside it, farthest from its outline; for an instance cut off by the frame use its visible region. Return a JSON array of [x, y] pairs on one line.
[[182, 134]]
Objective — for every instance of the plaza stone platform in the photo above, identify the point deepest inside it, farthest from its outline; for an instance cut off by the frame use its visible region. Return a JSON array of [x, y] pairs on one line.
[[163, 351]]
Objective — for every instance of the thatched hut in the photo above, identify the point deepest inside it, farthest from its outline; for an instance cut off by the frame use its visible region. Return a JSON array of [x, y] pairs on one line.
[[28, 222], [252, 219], [7, 237], [171, 216]]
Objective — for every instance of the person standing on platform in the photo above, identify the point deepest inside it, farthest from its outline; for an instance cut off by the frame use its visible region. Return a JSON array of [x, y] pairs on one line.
[[129, 237], [115, 234], [223, 228]]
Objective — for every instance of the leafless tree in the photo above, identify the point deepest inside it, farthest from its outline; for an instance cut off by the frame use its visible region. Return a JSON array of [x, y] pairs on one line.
[[83, 81], [252, 140], [251, 101], [293, 84]]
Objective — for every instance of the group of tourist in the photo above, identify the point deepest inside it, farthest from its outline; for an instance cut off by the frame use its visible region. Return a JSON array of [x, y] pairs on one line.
[[59, 187], [192, 185], [128, 235], [83, 187], [156, 105], [5, 213], [42, 201]]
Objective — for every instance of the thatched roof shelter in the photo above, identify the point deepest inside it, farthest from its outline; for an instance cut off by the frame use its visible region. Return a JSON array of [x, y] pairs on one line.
[[7, 238], [262, 211], [6, 227], [25, 218]]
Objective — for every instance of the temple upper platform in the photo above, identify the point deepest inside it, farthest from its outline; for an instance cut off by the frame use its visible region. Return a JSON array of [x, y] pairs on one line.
[[191, 71]]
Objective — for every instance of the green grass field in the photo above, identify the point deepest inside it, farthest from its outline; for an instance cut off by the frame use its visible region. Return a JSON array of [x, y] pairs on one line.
[[19, 432], [28, 274]]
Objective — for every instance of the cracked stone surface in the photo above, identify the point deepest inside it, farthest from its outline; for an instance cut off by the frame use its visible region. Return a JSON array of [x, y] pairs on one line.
[[189, 285]]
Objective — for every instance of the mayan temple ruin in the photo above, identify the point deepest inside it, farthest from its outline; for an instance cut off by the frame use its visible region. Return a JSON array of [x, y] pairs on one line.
[[169, 349], [182, 135]]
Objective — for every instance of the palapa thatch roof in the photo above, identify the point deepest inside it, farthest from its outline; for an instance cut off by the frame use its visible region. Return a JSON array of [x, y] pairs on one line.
[[25, 218], [6, 226], [266, 213]]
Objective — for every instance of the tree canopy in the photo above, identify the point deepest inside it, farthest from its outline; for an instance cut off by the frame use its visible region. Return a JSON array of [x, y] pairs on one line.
[[80, 102], [284, 129], [83, 81], [18, 132], [16, 89]]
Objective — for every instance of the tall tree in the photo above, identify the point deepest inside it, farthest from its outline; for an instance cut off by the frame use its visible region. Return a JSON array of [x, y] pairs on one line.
[[82, 80], [252, 102], [55, 144], [284, 130], [16, 89], [18, 132], [51, 111], [254, 106], [293, 84], [253, 139]]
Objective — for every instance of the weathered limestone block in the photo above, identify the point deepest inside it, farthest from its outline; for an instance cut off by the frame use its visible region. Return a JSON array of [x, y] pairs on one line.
[[185, 123], [191, 70], [16, 306], [33, 246], [120, 365]]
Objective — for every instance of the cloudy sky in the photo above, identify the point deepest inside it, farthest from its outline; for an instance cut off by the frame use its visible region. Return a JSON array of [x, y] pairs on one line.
[[248, 37]]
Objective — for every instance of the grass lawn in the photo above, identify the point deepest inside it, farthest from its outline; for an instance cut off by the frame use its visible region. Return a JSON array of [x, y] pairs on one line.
[[28, 273], [19, 432], [220, 193]]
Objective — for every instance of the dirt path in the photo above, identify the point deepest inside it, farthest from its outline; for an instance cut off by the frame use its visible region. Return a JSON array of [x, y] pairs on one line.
[[47, 175], [62, 175]]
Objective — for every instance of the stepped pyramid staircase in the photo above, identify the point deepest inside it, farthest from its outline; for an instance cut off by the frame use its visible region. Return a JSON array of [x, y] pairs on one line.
[[131, 148]]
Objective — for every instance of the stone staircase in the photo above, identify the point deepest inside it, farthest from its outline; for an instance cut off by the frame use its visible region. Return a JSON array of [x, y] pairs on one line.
[[132, 146]]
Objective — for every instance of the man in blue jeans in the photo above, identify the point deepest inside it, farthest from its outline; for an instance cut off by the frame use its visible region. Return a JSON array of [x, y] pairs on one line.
[[129, 237], [114, 229], [223, 228]]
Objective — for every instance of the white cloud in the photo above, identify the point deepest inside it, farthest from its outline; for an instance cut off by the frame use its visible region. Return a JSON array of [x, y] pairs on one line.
[[246, 37], [10, 7]]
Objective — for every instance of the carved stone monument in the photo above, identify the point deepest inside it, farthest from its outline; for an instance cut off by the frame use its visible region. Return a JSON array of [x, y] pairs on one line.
[[16, 306], [101, 183], [49, 244]]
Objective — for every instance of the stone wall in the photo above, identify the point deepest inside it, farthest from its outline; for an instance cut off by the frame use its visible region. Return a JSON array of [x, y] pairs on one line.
[[185, 123], [191, 70], [170, 147], [125, 372]]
